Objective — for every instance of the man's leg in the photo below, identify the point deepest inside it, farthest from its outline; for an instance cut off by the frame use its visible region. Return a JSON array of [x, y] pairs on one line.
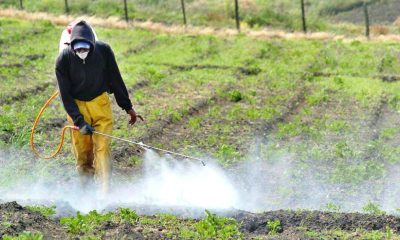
[[100, 110], [82, 146]]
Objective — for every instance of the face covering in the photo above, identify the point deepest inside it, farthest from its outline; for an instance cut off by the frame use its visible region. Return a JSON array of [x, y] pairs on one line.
[[82, 55]]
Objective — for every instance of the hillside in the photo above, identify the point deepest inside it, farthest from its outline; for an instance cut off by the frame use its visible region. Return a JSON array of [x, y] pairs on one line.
[[282, 124]]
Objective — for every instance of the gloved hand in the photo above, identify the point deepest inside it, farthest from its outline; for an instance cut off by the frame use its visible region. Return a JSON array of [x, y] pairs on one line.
[[86, 129]]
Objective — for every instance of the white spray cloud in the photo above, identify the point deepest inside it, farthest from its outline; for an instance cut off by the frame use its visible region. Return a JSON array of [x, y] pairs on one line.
[[166, 182], [258, 184], [169, 182]]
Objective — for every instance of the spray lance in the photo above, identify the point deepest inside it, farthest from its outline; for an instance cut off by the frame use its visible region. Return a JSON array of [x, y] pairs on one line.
[[75, 128]]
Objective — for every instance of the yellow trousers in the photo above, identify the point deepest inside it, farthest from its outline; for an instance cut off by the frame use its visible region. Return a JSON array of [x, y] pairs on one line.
[[92, 152]]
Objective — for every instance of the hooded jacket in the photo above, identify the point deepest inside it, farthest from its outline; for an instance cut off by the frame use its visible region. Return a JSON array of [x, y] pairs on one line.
[[86, 79]]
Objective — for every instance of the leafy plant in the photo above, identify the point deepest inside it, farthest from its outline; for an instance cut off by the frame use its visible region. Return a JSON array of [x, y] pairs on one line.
[[374, 235], [135, 160], [25, 236], [46, 211], [228, 153], [85, 223], [250, 70], [214, 227], [274, 226], [373, 208], [194, 122], [128, 215], [388, 232], [235, 96], [333, 207]]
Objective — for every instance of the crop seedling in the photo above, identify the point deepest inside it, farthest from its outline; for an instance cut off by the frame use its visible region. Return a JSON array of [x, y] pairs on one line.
[[388, 232], [25, 236], [128, 215], [46, 211], [214, 227], [85, 223], [373, 208], [235, 96], [375, 235], [135, 160], [227, 153], [250, 70], [194, 122], [333, 207], [274, 226]]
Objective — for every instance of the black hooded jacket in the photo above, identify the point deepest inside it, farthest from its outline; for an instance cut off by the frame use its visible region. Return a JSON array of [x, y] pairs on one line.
[[86, 79]]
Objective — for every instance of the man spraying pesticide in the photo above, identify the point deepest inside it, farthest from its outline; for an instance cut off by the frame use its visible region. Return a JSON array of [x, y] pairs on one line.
[[86, 72]]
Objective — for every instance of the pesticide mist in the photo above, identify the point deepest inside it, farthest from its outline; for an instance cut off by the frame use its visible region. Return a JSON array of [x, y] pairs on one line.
[[165, 184], [170, 182]]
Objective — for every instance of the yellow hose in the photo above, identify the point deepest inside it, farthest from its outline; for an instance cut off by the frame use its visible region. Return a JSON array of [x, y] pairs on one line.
[[57, 151]]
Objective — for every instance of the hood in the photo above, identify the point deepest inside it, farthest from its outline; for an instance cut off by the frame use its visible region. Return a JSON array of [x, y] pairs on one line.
[[82, 31]]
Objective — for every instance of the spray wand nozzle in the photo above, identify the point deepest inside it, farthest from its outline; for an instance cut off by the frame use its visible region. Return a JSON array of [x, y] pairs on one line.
[[144, 146]]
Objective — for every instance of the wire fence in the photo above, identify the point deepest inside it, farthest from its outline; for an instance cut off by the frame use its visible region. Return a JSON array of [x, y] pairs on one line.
[[292, 15]]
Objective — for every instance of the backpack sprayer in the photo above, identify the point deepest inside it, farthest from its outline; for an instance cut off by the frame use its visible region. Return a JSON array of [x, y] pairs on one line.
[[75, 128]]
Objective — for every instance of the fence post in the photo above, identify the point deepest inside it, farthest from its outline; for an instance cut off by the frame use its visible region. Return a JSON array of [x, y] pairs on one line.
[[303, 17], [126, 11], [21, 5], [183, 12], [66, 6], [366, 19], [237, 15]]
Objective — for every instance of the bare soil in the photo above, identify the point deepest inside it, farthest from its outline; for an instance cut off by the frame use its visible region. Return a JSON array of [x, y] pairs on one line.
[[16, 219]]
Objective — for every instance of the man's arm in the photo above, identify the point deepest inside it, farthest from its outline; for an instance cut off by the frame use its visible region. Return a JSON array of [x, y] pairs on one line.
[[64, 85], [118, 87]]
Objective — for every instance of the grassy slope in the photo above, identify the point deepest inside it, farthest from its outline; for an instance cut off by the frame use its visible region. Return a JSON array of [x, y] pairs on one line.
[[321, 102], [281, 14]]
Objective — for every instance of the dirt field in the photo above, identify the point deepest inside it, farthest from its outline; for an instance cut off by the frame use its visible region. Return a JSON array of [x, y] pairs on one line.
[[293, 224]]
